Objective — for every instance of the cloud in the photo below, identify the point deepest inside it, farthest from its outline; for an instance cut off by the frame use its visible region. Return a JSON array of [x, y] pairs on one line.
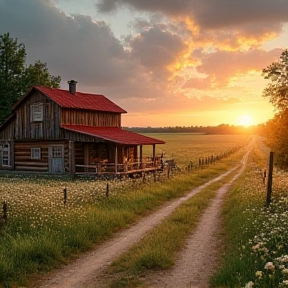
[[76, 47], [157, 49], [221, 66], [210, 13], [246, 19]]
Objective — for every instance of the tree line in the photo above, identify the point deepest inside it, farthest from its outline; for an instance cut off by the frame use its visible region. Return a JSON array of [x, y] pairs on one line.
[[219, 129]]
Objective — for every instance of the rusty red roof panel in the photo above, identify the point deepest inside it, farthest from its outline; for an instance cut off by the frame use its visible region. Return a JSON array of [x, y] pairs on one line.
[[80, 100], [114, 134]]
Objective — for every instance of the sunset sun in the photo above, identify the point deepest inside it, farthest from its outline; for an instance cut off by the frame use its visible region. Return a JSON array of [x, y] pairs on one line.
[[245, 120]]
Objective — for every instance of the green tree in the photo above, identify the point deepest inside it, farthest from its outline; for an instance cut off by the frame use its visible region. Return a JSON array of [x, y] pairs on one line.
[[277, 92], [12, 64], [16, 78], [38, 74]]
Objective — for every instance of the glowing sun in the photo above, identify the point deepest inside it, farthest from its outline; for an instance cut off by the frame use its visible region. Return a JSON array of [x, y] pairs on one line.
[[245, 120]]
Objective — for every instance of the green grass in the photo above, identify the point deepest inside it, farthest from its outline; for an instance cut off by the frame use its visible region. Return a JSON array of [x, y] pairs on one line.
[[158, 250], [255, 235], [41, 232]]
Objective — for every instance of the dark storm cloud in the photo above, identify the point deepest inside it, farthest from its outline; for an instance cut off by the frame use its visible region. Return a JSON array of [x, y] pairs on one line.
[[211, 14], [79, 48], [74, 47], [156, 49]]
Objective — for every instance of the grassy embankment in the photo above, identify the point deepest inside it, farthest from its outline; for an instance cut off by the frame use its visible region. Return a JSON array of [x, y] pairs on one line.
[[257, 237]]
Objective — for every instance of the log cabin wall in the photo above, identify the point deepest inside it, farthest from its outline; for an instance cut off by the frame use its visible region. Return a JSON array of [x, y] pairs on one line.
[[90, 118], [24, 156]]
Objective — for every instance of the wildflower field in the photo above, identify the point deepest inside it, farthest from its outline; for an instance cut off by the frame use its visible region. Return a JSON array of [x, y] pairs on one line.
[[257, 236], [45, 227]]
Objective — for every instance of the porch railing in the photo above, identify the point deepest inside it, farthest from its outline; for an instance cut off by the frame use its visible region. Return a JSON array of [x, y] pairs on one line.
[[112, 168]]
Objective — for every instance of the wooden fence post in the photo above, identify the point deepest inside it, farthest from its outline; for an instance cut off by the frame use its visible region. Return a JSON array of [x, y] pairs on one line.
[[168, 171], [270, 179], [5, 216], [65, 196], [107, 190]]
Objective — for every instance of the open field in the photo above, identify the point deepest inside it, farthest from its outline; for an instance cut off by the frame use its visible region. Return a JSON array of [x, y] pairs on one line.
[[186, 147], [42, 232]]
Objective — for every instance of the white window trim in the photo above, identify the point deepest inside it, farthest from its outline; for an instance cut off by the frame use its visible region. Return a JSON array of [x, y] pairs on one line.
[[6, 148], [36, 112], [35, 153]]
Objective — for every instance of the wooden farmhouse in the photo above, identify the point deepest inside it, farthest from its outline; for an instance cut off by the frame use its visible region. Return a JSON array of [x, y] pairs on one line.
[[60, 131]]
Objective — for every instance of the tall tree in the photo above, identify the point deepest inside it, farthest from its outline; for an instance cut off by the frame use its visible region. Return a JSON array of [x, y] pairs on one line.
[[277, 92], [15, 77], [38, 74], [12, 64]]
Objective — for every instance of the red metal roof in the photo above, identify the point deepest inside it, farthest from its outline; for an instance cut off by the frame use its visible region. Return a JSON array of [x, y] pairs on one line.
[[80, 100], [114, 134]]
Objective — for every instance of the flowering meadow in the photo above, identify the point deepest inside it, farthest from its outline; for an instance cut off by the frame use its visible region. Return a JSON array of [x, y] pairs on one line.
[[41, 230], [45, 226], [256, 253]]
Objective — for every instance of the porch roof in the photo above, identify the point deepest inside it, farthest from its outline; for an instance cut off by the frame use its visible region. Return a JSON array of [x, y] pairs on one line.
[[114, 134]]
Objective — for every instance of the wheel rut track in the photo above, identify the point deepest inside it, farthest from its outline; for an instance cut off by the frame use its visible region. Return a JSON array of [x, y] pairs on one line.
[[84, 272]]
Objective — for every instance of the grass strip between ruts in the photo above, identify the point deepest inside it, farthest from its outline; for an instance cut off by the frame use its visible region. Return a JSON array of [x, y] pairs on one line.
[[157, 251]]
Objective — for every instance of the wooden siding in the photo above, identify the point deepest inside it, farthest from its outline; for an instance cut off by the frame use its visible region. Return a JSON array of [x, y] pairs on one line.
[[49, 128], [53, 116], [90, 118], [78, 137], [22, 156], [8, 130]]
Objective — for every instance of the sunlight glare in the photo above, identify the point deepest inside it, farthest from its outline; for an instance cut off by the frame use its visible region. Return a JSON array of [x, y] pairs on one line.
[[245, 120]]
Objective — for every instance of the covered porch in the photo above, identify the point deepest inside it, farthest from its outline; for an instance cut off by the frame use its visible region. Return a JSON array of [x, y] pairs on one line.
[[112, 151]]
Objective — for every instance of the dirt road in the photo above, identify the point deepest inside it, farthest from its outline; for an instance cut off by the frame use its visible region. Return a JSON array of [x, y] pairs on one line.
[[195, 264]]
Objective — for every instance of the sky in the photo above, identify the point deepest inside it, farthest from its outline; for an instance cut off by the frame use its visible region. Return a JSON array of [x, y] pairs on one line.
[[166, 62]]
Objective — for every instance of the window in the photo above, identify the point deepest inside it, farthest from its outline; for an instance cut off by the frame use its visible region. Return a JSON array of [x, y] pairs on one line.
[[35, 153], [6, 155], [36, 112], [57, 152]]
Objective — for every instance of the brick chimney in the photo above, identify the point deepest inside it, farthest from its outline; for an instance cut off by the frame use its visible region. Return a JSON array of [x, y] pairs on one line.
[[72, 86]]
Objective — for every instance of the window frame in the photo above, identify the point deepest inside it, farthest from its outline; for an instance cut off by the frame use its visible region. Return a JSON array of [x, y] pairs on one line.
[[36, 112], [35, 153], [6, 155]]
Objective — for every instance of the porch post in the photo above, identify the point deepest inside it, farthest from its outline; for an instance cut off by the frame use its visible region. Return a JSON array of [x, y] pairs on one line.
[[72, 167], [141, 156], [116, 158], [154, 159], [86, 156]]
